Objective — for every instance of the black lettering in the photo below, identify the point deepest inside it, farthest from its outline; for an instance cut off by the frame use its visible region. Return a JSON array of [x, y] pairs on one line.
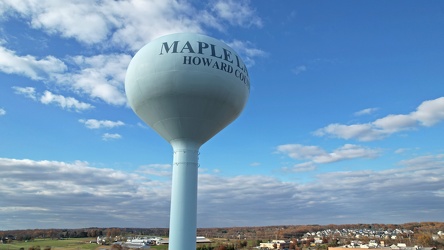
[[230, 69], [223, 66], [227, 55], [196, 62], [241, 76], [236, 73], [206, 61], [187, 60], [188, 47], [238, 63], [216, 65], [202, 46], [213, 51], [167, 48]]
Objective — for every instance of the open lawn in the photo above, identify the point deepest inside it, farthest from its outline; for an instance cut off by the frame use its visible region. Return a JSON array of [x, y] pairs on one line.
[[65, 244]]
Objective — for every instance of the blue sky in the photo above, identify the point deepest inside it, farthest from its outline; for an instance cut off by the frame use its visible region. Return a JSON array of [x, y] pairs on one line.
[[344, 123]]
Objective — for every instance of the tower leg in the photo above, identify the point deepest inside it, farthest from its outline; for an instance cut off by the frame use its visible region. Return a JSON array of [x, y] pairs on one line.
[[184, 196]]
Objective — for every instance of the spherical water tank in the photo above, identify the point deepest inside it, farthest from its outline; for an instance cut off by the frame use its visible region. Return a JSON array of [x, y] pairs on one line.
[[187, 86]]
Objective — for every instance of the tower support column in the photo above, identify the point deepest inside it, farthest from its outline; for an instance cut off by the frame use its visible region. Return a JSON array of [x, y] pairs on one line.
[[183, 213]]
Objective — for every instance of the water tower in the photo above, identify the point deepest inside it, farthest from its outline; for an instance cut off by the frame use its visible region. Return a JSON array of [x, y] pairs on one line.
[[187, 87]]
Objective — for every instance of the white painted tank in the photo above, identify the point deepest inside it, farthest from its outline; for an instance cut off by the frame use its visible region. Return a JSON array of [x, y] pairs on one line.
[[187, 86]]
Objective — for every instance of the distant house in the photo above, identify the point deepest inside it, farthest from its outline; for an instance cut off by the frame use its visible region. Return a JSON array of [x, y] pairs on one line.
[[131, 245], [280, 244], [101, 240], [401, 245], [201, 239]]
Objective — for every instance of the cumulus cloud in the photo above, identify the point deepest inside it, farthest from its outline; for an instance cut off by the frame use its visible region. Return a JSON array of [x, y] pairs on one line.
[[99, 76], [247, 51], [299, 69], [161, 170], [68, 103], [243, 15], [424, 161], [318, 155], [301, 167], [98, 124], [93, 22], [430, 112], [347, 194], [28, 92], [109, 136], [427, 114], [114, 25], [123, 23], [400, 150], [29, 66], [362, 132], [366, 111], [77, 194], [2, 112]]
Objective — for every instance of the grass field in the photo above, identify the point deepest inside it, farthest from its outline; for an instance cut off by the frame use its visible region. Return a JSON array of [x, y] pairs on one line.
[[65, 244]]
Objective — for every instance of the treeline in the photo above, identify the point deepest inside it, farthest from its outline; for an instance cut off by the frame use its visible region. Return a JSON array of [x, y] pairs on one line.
[[264, 232], [29, 234], [297, 231]]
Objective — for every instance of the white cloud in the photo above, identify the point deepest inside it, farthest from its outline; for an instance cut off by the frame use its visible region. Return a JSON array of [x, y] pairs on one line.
[[365, 111], [50, 189], [428, 113], [124, 23], [236, 13], [81, 20], [255, 164], [424, 161], [29, 66], [395, 123], [117, 25], [69, 103], [301, 167], [317, 155], [155, 170], [98, 124], [246, 51], [400, 150], [99, 76], [2, 111], [28, 92], [298, 151], [46, 190], [365, 132], [299, 69], [141, 125], [108, 136], [348, 151]]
